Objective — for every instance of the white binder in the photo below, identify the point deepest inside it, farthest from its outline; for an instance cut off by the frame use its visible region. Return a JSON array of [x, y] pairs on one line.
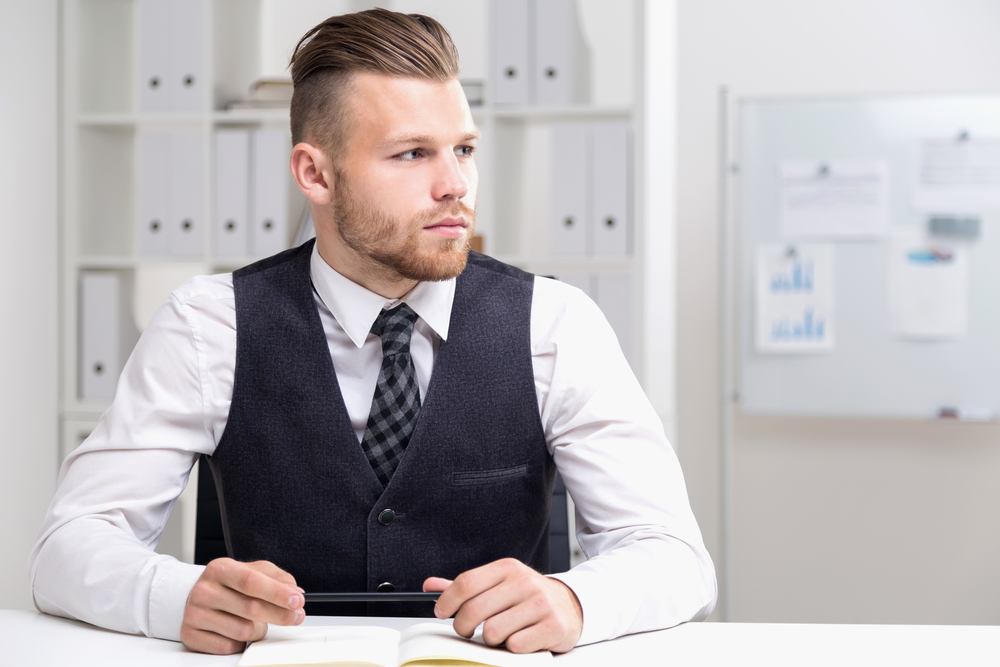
[[232, 192], [609, 179], [561, 56], [568, 218], [154, 171], [612, 297], [512, 62], [269, 192], [100, 342], [186, 66], [154, 56], [185, 184]]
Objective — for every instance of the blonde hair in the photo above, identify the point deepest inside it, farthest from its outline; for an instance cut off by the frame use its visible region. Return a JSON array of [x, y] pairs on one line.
[[376, 40]]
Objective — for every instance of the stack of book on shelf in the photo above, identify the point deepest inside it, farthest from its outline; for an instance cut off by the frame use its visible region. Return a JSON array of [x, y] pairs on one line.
[[265, 93]]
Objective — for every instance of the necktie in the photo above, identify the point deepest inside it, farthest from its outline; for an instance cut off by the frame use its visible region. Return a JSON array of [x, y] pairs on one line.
[[396, 403]]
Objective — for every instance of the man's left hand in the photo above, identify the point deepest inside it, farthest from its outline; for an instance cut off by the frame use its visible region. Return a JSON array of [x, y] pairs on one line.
[[519, 606]]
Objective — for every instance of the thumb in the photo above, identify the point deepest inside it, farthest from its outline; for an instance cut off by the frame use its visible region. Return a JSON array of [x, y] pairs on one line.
[[436, 584]]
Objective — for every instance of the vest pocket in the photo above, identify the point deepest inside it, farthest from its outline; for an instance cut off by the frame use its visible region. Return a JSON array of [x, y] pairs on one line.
[[470, 477]]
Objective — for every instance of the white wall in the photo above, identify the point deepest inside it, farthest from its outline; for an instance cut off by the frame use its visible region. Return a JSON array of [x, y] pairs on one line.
[[29, 187], [835, 520]]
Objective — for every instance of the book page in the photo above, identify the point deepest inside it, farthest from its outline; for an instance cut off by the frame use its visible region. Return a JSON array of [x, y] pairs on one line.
[[429, 644], [324, 645]]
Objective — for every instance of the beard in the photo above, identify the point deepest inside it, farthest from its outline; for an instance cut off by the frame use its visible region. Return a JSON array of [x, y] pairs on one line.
[[392, 249]]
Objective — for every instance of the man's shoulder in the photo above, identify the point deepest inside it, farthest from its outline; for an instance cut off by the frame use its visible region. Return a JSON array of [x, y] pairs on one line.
[[484, 263], [217, 287], [301, 253]]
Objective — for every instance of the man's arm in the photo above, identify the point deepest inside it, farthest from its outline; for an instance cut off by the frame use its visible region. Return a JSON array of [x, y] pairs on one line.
[[94, 559], [648, 567]]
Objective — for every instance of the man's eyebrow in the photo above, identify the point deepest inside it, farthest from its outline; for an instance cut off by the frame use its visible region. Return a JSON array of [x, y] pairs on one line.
[[423, 138]]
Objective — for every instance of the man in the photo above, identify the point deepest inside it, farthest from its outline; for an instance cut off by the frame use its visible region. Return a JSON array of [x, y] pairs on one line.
[[485, 380]]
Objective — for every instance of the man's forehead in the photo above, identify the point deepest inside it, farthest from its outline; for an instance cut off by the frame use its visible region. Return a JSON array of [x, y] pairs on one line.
[[407, 109]]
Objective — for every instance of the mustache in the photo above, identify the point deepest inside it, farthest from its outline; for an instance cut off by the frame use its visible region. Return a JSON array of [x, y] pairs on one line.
[[454, 209]]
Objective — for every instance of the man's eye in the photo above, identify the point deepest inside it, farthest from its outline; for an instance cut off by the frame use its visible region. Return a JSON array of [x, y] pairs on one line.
[[465, 151], [409, 155]]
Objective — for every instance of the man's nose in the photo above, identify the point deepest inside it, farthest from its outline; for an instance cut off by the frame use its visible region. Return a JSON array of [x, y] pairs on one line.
[[450, 181]]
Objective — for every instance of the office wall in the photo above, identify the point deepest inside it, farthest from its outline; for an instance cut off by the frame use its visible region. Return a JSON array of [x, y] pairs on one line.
[[29, 176], [835, 520]]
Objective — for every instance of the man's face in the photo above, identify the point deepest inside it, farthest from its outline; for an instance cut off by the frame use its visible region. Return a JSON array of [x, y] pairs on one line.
[[405, 188]]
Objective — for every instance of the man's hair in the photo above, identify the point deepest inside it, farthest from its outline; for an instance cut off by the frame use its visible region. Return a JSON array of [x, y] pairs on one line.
[[376, 40]]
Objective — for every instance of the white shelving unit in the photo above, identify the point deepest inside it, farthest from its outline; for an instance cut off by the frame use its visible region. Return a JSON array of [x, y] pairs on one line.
[[102, 120]]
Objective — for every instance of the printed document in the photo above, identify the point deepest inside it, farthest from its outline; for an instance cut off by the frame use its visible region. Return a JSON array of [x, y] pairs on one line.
[[958, 175], [794, 298], [928, 287], [837, 199]]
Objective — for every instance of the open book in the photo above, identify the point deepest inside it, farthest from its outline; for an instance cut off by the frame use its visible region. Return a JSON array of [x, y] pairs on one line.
[[423, 645]]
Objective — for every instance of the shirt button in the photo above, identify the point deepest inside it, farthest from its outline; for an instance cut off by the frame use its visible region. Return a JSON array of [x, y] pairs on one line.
[[385, 517], [385, 587]]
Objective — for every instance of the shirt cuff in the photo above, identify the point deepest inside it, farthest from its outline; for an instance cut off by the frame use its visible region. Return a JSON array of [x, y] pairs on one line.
[[167, 600], [598, 623]]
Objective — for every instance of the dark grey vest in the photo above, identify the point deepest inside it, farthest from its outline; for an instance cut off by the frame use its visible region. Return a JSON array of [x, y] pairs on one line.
[[296, 489]]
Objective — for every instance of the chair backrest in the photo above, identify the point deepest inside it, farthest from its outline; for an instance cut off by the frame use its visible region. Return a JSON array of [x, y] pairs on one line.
[[210, 540]]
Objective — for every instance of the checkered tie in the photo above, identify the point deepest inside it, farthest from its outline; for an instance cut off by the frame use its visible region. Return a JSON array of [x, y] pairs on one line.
[[397, 398]]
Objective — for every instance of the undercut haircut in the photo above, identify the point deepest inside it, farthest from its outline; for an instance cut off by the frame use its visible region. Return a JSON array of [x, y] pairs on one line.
[[377, 41]]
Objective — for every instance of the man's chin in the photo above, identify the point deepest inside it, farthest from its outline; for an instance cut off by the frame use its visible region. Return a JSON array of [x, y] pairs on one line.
[[444, 263]]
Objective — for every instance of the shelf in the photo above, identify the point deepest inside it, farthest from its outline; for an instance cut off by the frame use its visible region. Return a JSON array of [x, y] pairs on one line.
[[89, 262], [570, 264], [280, 114], [133, 119], [84, 412], [215, 264], [237, 116], [583, 112]]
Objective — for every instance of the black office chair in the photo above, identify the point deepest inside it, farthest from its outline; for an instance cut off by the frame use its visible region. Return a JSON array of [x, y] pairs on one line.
[[210, 541]]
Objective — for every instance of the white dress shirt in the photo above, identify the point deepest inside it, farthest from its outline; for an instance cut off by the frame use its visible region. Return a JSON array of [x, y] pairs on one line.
[[94, 561]]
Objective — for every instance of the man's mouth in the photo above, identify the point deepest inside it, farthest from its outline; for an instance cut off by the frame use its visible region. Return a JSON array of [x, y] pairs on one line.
[[451, 227]]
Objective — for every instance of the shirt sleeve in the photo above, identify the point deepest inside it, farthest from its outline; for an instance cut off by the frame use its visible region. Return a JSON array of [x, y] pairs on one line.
[[647, 565], [94, 559]]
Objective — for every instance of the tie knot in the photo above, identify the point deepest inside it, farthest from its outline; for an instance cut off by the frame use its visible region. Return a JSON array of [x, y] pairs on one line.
[[394, 328]]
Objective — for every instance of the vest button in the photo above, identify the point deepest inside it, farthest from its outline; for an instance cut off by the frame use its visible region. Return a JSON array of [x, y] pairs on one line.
[[385, 587], [385, 517]]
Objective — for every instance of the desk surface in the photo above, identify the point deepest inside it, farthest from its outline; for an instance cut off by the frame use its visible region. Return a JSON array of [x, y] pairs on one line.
[[29, 638]]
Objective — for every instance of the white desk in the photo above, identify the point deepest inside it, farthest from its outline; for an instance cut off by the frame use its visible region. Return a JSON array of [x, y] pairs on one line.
[[28, 638]]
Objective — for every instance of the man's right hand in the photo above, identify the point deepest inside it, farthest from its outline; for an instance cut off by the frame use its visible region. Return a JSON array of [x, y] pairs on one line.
[[232, 603]]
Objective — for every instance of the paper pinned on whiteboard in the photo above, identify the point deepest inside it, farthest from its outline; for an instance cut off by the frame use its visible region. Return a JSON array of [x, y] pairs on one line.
[[928, 287], [958, 175], [837, 199], [794, 298]]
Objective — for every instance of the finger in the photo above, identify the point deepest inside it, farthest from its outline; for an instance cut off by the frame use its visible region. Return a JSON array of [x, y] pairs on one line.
[[528, 640], [503, 608], [248, 580], [275, 572], [436, 584], [228, 625], [471, 583], [210, 642], [250, 608]]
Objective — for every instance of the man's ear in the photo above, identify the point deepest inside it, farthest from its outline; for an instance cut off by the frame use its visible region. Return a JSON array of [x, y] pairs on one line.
[[313, 173]]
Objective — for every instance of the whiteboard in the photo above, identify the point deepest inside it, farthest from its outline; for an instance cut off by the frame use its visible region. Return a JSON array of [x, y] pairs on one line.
[[871, 372]]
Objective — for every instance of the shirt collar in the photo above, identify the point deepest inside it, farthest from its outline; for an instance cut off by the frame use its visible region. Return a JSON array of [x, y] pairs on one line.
[[356, 308]]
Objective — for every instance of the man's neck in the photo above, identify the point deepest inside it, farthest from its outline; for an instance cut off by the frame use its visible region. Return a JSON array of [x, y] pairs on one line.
[[364, 271]]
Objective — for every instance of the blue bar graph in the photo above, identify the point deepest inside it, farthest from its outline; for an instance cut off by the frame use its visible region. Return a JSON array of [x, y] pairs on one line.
[[797, 278], [807, 329]]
